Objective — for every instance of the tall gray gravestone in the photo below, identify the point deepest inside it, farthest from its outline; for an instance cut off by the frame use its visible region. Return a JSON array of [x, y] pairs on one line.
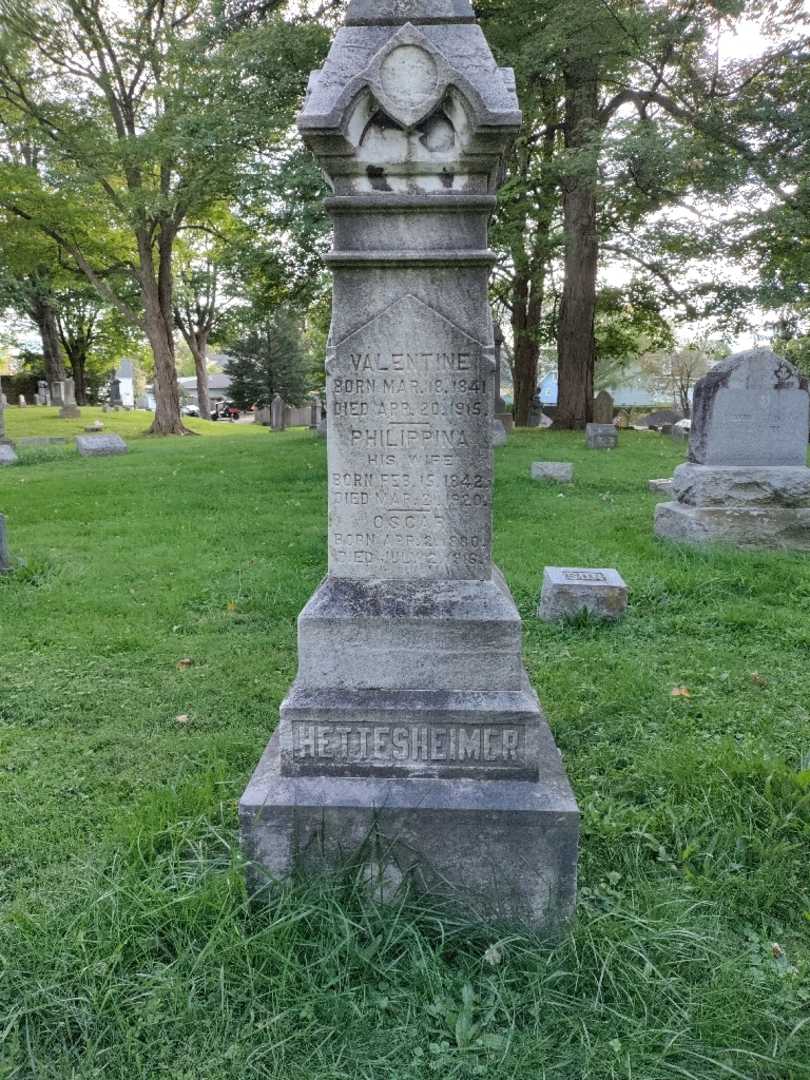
[[411, 741], [746, 482], [70, 410]]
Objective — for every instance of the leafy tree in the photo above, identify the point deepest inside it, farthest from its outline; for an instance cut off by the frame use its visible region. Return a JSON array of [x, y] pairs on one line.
[[674, 372], [268, 360], [153, 112]]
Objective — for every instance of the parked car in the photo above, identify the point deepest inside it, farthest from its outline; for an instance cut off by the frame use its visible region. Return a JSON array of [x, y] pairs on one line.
[[225, 410], [190, 410]]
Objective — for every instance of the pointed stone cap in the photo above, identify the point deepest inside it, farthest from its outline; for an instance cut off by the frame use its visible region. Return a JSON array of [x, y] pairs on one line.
[[399, 12]]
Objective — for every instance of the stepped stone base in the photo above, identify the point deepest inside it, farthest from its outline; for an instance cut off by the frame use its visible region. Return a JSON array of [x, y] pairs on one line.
[[502, 851], [765, 528], [732, 486], [70, 412], [434, 635]]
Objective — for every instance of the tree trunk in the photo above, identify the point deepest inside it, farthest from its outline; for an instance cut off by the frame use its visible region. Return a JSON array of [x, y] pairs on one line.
[[525, 320], [78, 368], [198, 344], [44, 316], [576, 342], [157, 291]]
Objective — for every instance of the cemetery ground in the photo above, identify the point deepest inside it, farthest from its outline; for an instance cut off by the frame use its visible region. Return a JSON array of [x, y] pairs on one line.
[[146, 645]]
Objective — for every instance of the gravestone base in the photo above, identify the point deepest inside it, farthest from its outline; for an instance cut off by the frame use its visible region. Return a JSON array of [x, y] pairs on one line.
[[8, 455], [499, 435], [70, 412], [730, 486], [502, 851], [762, 528]]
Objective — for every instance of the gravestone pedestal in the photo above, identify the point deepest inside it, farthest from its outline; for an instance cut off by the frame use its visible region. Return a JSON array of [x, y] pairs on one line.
[[411, 739], [746, 482]]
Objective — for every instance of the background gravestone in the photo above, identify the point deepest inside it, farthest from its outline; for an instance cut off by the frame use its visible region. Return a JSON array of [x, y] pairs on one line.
[[746, 482], [601, 437], [100, 445], [603, 407], [69, 410], [3, 438], [278, 413], [411, 738], [5, 558]]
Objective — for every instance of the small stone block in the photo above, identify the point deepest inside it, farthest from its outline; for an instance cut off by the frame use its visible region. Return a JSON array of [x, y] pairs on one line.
[[601, 437], [562, 472], [7, 455], [660, 487], [499, 436], [95, 428], [567, 591], [100, 445]]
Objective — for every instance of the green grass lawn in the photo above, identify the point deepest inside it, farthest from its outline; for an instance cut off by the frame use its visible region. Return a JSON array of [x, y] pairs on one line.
[[127, 949]]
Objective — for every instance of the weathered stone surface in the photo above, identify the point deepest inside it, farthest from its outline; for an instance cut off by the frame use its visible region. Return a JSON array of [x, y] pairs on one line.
[[5, 559], [496, 851], [601, 437], [100, 445], [423, 635], [278, 413], [757, 528], [568, 591], [70, 410], [742, 486], [450, 734], [746, 482], [411, 476], [393, 12], [752, 409], [660, 487], [603, 407], [411, 715], [95, 427], [7, 454], [561, 472], [40, 440], [499, 436]]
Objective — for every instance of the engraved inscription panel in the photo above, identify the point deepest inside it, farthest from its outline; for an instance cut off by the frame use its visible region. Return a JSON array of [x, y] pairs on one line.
[[409, 745], [410, 398], [585, 577], [758, 427]]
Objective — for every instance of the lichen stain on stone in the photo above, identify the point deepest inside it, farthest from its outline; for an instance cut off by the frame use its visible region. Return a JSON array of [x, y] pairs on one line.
[[377, 179]]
